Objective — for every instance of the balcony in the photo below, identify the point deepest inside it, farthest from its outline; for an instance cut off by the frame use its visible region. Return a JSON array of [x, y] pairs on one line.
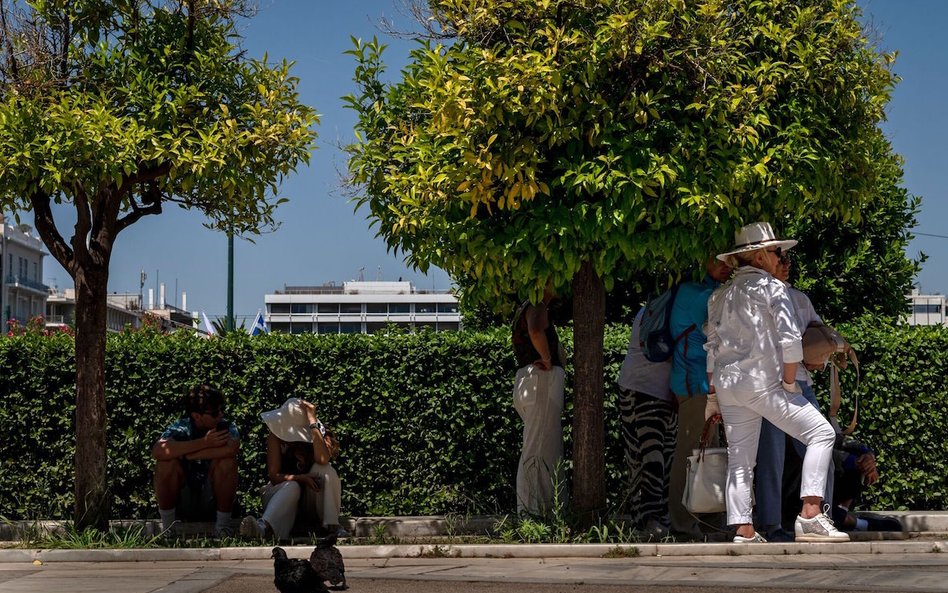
[[23, 282]]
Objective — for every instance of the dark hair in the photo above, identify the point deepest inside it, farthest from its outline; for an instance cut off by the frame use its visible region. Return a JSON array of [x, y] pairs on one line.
[[203, 398]]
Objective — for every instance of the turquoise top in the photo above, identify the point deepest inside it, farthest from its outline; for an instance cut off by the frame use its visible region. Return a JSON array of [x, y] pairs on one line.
[[689, 373]]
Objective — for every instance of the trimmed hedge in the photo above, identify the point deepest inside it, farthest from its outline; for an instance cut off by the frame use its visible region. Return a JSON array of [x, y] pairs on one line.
[[425, 419]]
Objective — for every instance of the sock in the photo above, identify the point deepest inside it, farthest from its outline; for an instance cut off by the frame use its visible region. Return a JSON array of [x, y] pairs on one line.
[[223, 520], [862, 525], [167, 518]]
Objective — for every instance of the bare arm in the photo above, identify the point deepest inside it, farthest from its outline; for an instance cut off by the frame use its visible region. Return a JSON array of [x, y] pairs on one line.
[[274, 473], [164, 450], [537, 323]]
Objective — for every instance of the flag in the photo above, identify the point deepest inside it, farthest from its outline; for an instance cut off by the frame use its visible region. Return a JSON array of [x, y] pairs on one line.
[[208, 328], [259, 325]]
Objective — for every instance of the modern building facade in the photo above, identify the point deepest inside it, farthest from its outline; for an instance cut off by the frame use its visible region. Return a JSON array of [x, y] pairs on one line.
[[22, 292], [926, 309], [360, 307]]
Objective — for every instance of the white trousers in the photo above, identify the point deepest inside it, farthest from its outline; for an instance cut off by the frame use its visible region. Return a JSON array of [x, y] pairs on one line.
[[791, 413], [282, 502], [538, 399]]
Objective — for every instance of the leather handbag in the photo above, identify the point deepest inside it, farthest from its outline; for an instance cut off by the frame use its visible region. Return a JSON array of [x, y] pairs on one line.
[[706, 479], [823, 345]]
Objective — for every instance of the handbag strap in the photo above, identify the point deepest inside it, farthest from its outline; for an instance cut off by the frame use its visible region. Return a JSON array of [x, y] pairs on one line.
[[706, 434], [835, 395]]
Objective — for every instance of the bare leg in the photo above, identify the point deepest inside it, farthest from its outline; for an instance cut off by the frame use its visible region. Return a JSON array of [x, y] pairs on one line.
[[224, 481], [169, 479]]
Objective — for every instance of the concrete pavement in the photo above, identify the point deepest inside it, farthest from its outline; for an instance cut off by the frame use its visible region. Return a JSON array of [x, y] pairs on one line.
[[883, 566]]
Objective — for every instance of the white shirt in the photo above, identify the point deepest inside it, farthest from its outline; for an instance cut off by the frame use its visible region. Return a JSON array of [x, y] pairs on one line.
[[641, 374], [806, 315], [752, 331]]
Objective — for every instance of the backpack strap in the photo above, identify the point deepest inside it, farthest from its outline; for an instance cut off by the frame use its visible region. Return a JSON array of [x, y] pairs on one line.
[[835, 395]]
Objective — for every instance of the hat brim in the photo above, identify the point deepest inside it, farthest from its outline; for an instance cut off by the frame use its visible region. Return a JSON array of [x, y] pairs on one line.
[[288, 423], [784, 244]]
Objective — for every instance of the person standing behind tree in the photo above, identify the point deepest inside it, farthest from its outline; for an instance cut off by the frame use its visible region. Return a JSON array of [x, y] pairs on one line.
[[689, 381], [538, 399], [649, 415]]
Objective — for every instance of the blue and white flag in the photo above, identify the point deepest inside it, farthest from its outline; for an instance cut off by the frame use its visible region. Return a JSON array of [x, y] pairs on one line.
[[259, 325], [208, 327]]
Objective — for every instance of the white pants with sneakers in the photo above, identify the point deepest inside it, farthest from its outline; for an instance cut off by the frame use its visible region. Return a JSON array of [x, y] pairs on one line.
[[538, 399], [791, 413], [282, 501]]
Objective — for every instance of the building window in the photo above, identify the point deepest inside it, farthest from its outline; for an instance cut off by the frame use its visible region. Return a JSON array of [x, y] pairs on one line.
[[280, 328], [327, 328], [350, 309], [350, 328], [447, 307], [426, 308], [301, 308], [279, 308], [448, 326], [331, 308], [402, 308], [35, 272], [376, 308], [425, 326], [301, 328], [928, 308]]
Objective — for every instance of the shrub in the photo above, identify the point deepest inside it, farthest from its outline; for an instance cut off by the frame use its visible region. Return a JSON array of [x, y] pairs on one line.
[[425, 420]]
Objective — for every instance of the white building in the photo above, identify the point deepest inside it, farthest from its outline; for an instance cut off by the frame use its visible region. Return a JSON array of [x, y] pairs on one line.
[[124, 310], [360, 307], [926, 309], [22, 292]]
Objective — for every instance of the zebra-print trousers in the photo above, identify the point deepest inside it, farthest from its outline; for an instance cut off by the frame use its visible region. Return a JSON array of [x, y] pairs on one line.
[[649, 432]]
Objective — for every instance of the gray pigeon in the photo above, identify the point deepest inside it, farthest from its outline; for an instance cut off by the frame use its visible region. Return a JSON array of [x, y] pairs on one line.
[[326, 561], [294, 575]]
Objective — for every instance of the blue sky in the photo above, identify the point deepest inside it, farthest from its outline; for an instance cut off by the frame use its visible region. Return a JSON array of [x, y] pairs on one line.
[[321, 239]]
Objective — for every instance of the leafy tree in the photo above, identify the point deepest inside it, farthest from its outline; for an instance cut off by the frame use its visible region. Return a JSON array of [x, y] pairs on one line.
[[852, 269], [587, 142], [119, 107]]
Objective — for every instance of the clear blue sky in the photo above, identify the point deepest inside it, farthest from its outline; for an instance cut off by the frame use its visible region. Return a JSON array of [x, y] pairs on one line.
[[321, 238]]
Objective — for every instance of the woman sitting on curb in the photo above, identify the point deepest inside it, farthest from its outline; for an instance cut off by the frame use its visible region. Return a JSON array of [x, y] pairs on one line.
[[302, 483]]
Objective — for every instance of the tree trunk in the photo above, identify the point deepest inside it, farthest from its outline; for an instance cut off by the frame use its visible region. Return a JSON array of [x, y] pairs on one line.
[[93, 498], [589, 465]]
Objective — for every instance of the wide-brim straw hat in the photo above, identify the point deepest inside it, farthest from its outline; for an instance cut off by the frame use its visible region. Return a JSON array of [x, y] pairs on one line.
[[756, 236], [288, 422]]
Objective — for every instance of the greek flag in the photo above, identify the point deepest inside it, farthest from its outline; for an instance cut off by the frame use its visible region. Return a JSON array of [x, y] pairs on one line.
[[259, 325]]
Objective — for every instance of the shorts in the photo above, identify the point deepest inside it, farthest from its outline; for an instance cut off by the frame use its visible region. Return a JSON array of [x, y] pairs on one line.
[[196, 499]]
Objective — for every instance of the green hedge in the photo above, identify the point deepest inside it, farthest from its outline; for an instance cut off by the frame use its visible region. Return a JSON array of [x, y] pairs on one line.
[[425, 419]]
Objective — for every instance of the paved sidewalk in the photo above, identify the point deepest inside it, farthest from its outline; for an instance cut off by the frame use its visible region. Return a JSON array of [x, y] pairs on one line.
[[909, 573]]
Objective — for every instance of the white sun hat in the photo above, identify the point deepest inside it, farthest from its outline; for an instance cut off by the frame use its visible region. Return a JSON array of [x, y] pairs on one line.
[[288, 422], [756, 236]]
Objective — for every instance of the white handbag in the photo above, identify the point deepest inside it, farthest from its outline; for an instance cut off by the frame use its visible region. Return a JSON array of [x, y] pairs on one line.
[[707, 477]]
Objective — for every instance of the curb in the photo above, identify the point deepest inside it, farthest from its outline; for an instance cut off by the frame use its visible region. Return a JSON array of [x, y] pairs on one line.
[[480, 551]]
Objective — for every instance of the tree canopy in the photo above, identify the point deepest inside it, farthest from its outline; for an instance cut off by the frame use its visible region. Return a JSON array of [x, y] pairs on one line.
[[585, 142], [119, 107]]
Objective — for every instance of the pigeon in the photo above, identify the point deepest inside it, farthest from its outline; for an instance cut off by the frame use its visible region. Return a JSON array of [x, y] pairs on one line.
[[294, 575], [326, 560]]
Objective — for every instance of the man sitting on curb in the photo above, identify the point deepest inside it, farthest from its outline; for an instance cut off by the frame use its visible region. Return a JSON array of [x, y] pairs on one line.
[[196, 472]]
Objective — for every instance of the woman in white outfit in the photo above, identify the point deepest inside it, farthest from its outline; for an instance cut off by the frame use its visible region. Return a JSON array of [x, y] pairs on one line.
[[754, 348], [302, 482]]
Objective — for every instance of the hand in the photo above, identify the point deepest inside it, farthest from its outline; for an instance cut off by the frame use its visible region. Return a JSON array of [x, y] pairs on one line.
[[544, 364], [792, 387], [307, 481], [866, 465], [216, 438], [712, 409], [309, 409]]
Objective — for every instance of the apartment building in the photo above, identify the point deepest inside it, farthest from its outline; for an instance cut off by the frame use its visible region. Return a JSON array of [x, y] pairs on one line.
[[360, 307], [22, 292]]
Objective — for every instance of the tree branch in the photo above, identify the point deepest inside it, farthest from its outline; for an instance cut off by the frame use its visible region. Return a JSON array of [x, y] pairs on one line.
[[83, 222], [151, 197], [46, 227]]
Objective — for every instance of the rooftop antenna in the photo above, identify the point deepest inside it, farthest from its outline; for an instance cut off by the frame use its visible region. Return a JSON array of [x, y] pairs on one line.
[[378, 275], [142, 276], [362, 274]]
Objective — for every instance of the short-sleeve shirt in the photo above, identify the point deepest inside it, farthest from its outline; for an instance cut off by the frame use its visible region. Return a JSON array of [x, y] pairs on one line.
[[184, 429], [524, 351]]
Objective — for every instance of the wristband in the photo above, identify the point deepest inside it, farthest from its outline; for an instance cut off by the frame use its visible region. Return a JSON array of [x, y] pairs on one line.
[[318, 426]]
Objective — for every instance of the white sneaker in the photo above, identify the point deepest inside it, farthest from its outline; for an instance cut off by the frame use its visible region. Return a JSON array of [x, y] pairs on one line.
[[818, 529], [757, 538]]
